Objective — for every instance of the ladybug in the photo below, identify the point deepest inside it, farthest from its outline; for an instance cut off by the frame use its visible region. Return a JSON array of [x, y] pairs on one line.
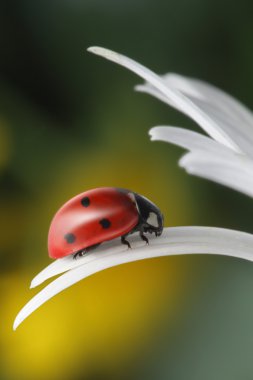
[[99, 215]]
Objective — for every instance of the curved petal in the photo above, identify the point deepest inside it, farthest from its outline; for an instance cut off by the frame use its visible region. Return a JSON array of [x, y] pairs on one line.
[[68, 262], [175, 97], [174, 241], [236, 174], [220, 100], [209, 159], [227, 116], [189, 140]]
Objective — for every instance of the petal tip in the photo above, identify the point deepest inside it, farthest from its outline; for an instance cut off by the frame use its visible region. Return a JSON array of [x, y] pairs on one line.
[[33, 284], [152, 134], [139, 88], [103, 52], [16, 324], [92, 49], [37, 280]]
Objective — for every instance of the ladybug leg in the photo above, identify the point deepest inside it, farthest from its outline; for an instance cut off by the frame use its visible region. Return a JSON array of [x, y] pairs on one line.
[[124, 241], [84, 251], [80, 254], [144, 237]]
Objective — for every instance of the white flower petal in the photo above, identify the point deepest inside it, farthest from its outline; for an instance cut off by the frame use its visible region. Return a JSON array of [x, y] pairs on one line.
[[172, 95], [68, 262], [207, 97], [235, 119], [190, 140], [236, 174], [209, 159], [174, 241], [229, 106], [229, 113]]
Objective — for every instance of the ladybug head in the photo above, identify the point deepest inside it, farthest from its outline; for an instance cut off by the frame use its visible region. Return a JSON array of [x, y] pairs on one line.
[[151, 218]]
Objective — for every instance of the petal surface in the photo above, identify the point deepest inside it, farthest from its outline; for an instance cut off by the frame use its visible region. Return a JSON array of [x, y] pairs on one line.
[[209, 159], [220, 100], [174, 241], [174, 97], [62, 265], [189, 140], [236, 174], [232, 116]]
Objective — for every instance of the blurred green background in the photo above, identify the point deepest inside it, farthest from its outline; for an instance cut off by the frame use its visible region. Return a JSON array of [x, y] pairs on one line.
[[70, 121]]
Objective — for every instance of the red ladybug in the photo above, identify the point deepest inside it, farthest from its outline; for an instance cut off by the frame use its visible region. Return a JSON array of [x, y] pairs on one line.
[[98, 215]]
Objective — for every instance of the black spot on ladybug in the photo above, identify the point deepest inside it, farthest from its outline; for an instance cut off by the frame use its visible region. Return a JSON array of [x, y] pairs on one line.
[[85, 201], [70, 238], [105, 223]]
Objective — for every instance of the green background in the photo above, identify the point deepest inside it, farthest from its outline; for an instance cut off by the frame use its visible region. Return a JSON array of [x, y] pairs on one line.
[[70, 121]]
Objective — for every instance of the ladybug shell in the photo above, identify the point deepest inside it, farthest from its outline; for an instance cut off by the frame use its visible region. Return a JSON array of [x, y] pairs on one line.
[[91, 218]]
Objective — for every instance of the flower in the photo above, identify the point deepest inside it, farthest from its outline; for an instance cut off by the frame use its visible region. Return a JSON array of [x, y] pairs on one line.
[[224, 157]]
